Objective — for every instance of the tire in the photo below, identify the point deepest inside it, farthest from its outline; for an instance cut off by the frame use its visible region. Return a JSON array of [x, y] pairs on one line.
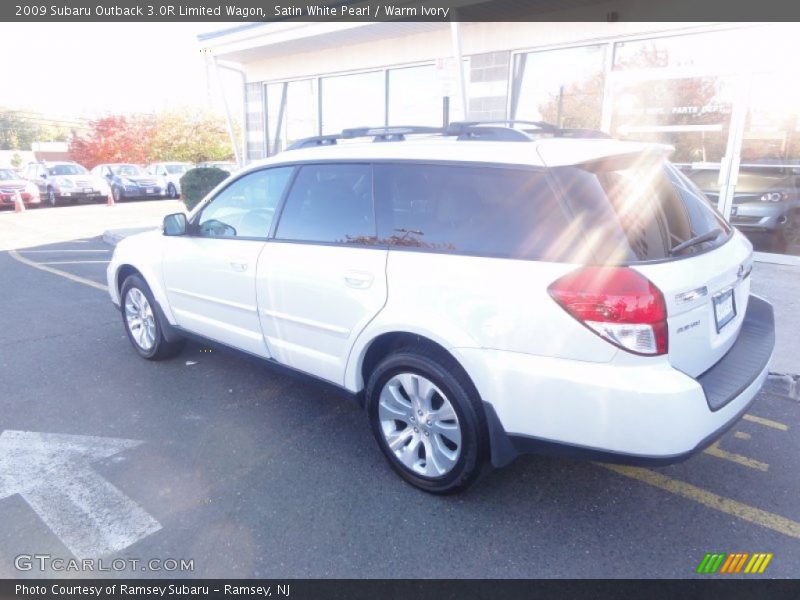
[[137, 305], [52, 200], [435, 457], [117, 193], [172, 192], [790, 233]]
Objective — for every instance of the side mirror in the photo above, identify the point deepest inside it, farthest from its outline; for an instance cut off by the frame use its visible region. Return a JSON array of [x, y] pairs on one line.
[[175, 224], [44, 175]]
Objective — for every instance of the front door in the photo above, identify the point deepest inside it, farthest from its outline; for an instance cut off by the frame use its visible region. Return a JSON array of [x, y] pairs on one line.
[[210, 273]]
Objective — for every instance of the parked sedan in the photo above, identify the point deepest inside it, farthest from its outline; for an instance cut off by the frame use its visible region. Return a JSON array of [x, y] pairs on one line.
[[172, 173], [130, 181], [766, 200], [66, 182], [12, 184]]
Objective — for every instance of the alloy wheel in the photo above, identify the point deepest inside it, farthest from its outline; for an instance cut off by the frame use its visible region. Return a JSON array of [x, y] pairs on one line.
[[140, 319], [419, 425]]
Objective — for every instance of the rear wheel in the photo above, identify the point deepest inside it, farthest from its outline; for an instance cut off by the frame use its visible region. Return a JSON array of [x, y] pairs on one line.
[[142, 323], [427, 420]]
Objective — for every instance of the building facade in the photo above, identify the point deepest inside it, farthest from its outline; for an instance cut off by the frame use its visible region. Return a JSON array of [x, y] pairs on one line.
[[725, 95]]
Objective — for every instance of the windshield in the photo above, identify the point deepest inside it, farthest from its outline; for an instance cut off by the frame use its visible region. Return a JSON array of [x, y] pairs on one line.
[[177, 169], [126, 170], [638, 209], [66, 170], [7, 174]]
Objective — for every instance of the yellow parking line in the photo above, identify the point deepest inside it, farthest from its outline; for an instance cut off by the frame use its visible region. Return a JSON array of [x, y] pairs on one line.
[[728, 506], [741, 435], [766, 422], [15, 255], [745, 461]]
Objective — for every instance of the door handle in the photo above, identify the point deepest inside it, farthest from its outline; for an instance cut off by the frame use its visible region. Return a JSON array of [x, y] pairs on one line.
[[239, 264], [358, 279]]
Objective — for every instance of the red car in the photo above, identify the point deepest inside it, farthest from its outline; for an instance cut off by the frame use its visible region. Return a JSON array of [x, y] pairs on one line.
[[11, 184]]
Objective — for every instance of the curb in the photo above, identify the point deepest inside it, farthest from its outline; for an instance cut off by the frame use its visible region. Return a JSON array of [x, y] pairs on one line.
[[783, 385], [112, 237]]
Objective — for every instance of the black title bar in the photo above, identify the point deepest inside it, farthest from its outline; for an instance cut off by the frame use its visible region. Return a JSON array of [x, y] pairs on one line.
[[388, 10]]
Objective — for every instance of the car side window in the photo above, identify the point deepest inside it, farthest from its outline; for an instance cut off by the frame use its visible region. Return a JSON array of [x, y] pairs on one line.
[[487, 211], [330, 203], [246, 207]]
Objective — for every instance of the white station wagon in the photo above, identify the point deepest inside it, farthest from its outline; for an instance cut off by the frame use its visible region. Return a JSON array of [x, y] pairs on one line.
[[482, 290]]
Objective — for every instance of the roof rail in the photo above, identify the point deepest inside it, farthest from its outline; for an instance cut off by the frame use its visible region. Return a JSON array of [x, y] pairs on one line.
[[499, 131], [388, 134]]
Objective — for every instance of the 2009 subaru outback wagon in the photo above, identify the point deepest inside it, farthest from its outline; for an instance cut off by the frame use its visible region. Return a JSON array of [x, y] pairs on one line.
[[483, 290]]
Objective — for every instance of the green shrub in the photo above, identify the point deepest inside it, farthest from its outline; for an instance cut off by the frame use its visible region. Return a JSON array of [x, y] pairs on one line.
[[196, 183]]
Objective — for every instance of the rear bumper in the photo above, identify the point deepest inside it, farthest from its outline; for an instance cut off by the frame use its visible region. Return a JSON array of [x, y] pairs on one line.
[[10, 199], [649, 413], [64, 195]]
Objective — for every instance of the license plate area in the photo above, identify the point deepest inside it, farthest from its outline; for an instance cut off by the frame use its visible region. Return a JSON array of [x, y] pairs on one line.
[[724, 308], [149, 191]]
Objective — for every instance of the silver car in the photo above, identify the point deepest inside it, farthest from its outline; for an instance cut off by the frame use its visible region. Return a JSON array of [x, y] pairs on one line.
[[172, 173]]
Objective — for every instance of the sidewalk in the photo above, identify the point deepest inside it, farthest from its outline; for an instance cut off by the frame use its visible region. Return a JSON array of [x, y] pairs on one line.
[[780, 284]]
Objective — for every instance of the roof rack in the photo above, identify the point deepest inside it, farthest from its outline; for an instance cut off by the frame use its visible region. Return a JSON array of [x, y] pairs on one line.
[[498, 131]]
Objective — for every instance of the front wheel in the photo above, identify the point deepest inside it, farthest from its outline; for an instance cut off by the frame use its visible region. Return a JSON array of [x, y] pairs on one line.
[[427, 420], [117, 193], [52, 199], [141, 321], [172, 192]]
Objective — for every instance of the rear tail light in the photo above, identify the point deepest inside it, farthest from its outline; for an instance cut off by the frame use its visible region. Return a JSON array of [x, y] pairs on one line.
[[618, 304]]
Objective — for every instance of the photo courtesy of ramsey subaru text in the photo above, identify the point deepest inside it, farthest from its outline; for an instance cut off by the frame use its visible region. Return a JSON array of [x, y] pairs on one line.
[[483, 290]]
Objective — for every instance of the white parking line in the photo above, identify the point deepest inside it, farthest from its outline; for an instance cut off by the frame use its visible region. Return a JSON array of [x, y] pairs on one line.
[[64, 250], [76, 262], [31, 263]]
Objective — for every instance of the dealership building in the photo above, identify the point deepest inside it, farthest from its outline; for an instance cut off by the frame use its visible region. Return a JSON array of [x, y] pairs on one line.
[[725, 95]]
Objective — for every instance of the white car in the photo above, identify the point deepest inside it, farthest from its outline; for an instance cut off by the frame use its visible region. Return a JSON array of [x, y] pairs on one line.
[[171, 172], [483, 291]]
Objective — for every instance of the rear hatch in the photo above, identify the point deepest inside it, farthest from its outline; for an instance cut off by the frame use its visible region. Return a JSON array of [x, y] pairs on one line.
[[638, 211]]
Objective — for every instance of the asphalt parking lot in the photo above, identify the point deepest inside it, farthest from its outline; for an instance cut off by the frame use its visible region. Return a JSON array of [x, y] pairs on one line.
[[214, 458]]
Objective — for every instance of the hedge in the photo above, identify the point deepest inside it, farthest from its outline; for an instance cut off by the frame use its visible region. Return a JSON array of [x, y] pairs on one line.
[[196, 183]]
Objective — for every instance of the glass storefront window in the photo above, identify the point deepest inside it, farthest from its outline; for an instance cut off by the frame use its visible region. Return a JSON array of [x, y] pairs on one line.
[[701, 51], [415, 96], [563, 87], [291, 113], [357, 100], [692, 114]]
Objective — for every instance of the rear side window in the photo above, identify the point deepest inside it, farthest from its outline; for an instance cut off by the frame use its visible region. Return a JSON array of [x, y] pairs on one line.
[[489, 211], [330, 203], [638, 209]]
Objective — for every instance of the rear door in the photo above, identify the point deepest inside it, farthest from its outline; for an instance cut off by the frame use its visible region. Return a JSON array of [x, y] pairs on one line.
[[323, 276], [643, 212]]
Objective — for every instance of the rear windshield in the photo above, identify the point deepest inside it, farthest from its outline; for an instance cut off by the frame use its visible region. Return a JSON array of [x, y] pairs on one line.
[[637, 209]]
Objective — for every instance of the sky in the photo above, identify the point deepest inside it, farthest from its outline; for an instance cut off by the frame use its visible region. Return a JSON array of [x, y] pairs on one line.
[[91, 69]]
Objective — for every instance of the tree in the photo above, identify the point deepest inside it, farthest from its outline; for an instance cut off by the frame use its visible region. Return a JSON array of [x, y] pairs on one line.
[[178, 136], [190, 137], [16, 161], [16, 132]]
